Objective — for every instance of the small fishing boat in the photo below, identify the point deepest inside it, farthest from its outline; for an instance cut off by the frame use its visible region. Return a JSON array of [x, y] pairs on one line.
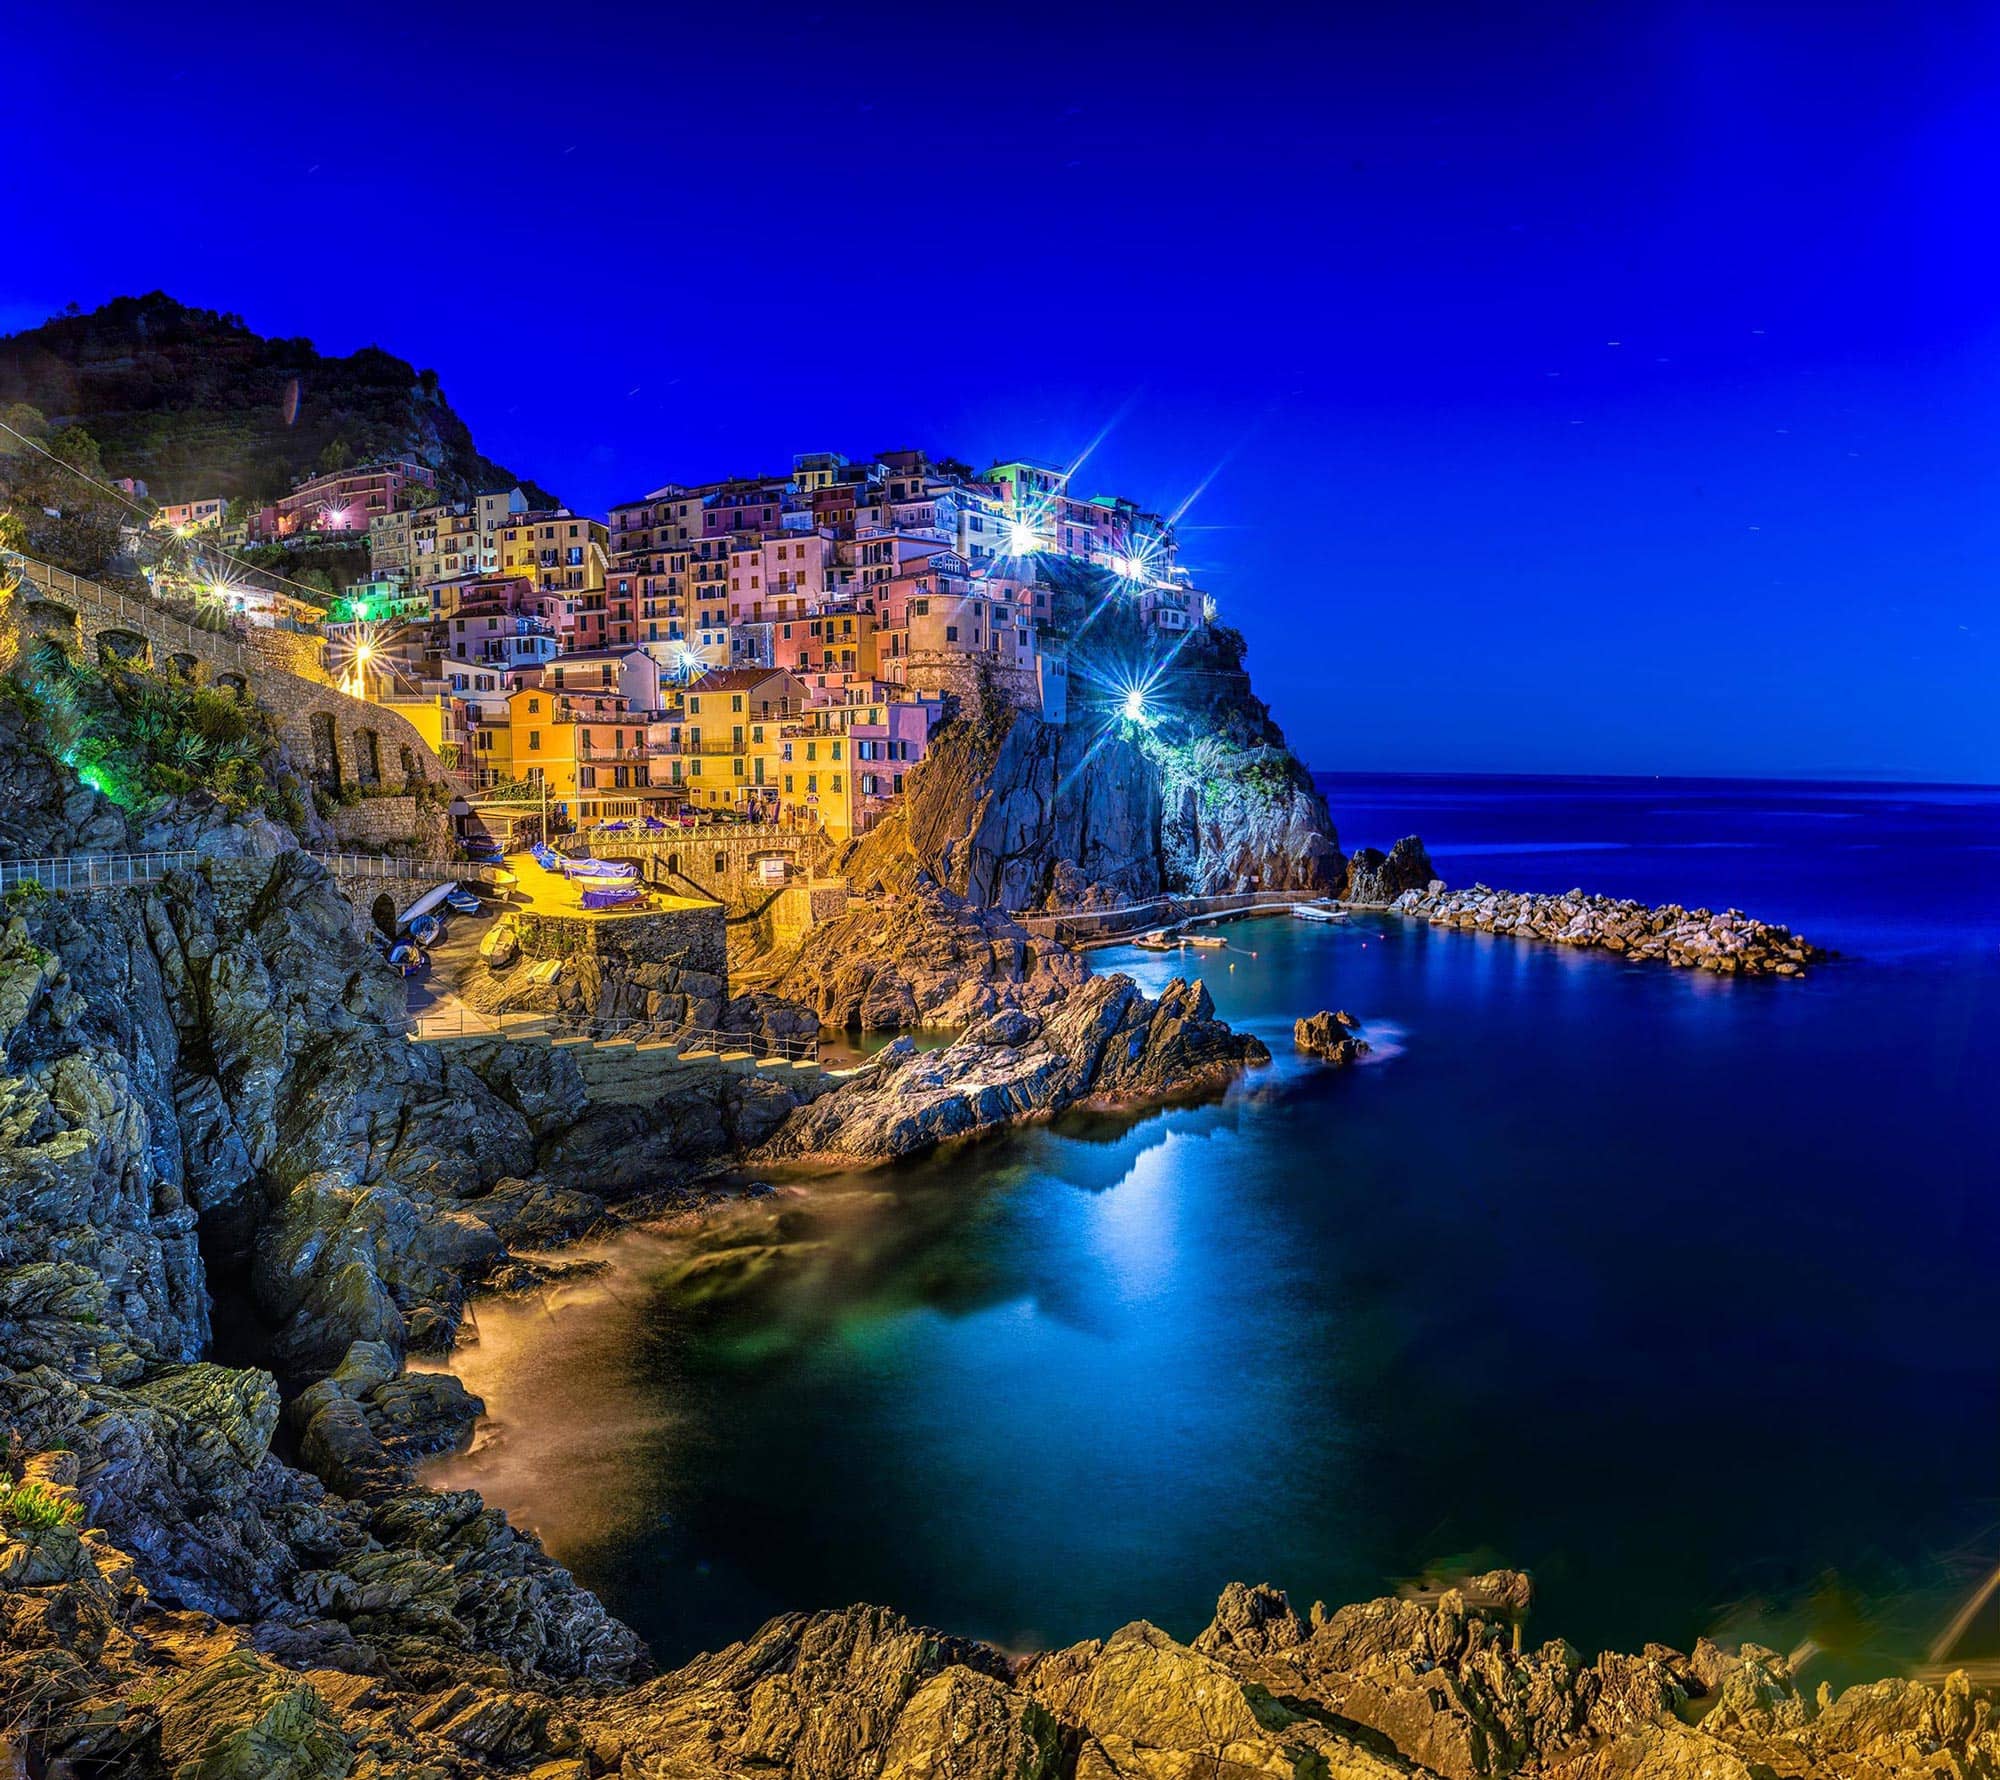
[[611, 896], [427, 930], [1317, 911], [1159, 940], [1209, 942], [463, 901], [405, 959]]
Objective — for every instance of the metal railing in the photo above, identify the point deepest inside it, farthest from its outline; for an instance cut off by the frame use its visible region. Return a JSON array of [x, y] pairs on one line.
[[86, 872], [1083, 925], [145, 619]]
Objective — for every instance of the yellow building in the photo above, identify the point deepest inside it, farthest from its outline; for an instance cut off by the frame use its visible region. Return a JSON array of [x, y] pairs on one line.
[[727, 737], [559, 552], [816, 779], [592, 751]]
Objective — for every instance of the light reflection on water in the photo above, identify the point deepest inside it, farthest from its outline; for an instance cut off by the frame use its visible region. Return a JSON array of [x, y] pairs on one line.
[[1675, 1289]]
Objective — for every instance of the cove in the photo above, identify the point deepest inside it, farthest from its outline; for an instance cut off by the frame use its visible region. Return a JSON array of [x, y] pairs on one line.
[[1673, 1290]]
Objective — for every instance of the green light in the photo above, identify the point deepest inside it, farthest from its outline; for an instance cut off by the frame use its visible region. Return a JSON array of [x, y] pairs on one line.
[[95, 780]]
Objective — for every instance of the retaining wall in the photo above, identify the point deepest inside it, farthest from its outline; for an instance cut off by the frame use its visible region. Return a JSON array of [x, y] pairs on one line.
[[336, 738]]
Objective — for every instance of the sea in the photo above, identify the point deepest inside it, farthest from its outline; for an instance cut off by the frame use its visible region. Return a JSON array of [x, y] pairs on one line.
[[1681, 1293]]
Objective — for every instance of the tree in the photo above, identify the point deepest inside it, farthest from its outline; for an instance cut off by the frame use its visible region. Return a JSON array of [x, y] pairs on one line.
[[79, 450], [336, 456]]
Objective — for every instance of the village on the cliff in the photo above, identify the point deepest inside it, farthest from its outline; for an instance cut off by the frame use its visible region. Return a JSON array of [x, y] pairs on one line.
[[778, 648]]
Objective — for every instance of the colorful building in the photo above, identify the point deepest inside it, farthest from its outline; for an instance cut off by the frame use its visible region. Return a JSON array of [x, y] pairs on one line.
[[344, 500]]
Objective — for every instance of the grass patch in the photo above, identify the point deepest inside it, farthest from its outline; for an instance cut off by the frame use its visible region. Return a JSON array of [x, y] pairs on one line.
[[34, 1507]]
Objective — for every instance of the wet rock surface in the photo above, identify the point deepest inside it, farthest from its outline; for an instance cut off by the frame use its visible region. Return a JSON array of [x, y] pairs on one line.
[[1729, 943], [1106, 1042], [1332, 1037]]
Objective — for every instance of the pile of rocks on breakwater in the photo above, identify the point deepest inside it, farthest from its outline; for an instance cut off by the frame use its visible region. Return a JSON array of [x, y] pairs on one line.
[[1729, 943]]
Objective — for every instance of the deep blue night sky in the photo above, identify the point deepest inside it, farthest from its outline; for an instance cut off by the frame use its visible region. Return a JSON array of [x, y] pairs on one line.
[[1608, 388]]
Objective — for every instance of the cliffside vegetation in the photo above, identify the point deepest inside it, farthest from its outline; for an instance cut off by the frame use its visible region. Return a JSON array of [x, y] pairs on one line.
[[195, 403], [139, 734]]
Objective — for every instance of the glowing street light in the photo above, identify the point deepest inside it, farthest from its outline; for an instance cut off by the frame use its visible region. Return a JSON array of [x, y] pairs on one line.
[[1134, 706], [1022, 538]]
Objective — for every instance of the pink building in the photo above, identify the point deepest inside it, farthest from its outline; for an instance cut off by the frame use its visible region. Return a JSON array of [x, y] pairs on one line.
[[885, 752], [343, 500], [742, 506]]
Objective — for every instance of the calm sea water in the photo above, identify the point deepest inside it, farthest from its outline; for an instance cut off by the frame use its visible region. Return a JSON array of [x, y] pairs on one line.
[[1679, 1292]]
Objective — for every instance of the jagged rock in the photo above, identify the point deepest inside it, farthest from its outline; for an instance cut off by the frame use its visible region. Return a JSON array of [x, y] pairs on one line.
[[1252, 1622], [1106, 1042], [201, 823], [45, 810], [926, 958], [243, 1718], [1013, 813], [1329, 1036], [1375, 877]]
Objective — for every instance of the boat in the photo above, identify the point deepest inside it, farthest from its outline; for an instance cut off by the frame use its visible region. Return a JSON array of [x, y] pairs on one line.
[[427, 930], [600, 868], [610, 896], [405, 959], [1212, 942], [463, 901], [1159, 940], [1317, 911]]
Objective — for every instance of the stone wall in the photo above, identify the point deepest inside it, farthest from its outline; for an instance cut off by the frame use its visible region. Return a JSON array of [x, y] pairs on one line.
[[972, 681], [377, 822], [330, 735], [721, 862], [691, 939]]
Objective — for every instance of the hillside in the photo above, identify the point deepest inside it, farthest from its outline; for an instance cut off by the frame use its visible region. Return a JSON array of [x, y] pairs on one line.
[[194, 403]]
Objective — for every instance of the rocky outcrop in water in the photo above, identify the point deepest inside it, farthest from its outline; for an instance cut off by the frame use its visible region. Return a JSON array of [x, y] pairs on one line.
[[1729, 943], [1106, 1042], [1375, 877], [1331, 1037], [925, 957]]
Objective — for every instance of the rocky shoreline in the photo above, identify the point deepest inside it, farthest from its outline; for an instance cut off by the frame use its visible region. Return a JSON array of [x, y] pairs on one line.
[[1728, 943], [211, 1570], [98, 1676]]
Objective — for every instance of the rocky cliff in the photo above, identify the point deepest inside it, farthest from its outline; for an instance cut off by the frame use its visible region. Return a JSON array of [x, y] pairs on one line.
[[1201, 796]]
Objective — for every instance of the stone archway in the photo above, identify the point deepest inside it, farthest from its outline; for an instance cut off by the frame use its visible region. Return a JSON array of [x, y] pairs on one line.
[[232, 683], [51, 618], [367, 758], [325, 747], [119, 648], [383, 913], [187, 666]]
